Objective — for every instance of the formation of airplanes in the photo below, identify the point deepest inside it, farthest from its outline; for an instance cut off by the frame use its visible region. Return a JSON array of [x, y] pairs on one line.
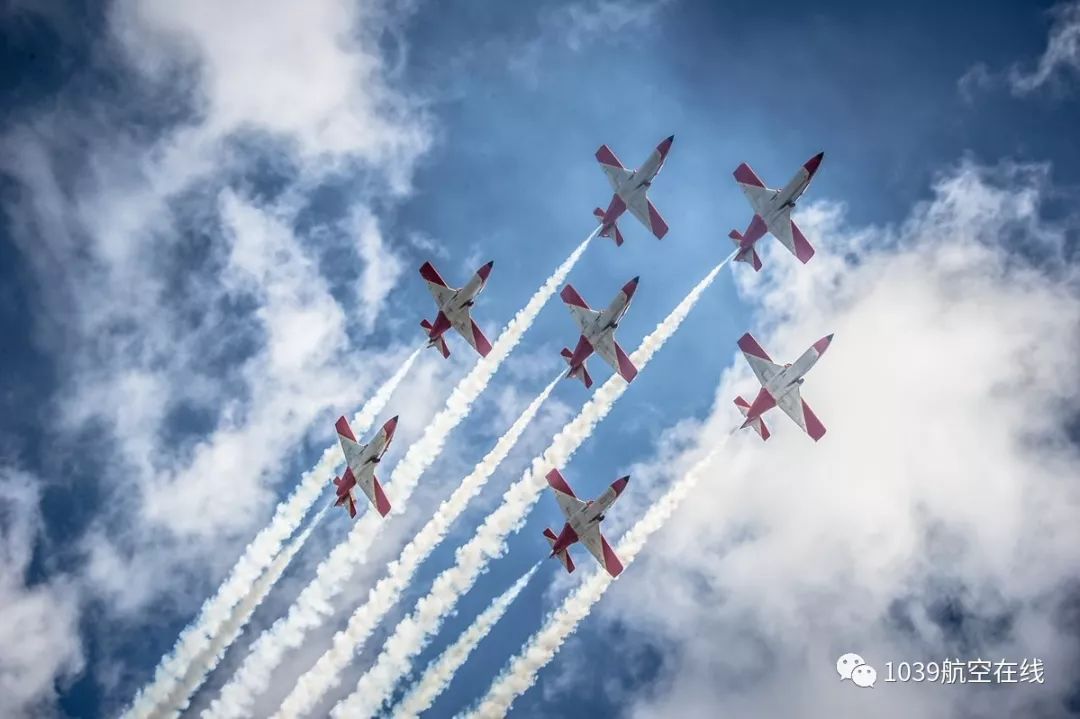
[[780, 384]]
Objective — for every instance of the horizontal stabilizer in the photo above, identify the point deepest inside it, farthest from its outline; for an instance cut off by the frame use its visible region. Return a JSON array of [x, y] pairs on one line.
[[758, 424], [563, 555], [580, 372], [439, 342], [749, 256]]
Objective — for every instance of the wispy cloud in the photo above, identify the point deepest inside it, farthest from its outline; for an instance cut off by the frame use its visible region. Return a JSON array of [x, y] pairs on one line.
[[1059, 62], [39, 641], [181, 296]]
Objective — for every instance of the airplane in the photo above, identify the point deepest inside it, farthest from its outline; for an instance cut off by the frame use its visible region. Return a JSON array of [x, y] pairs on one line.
[[780, 387], [583, 523], [772, 213], [598, 333], [360, 460], [454, 309], [631, 192]]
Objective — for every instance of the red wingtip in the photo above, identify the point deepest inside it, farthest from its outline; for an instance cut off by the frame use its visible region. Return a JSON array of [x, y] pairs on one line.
[[382, 504], [620, 484], [429, 273], [812, 164], [629, 288], [557, 482], [823, 344], [485, 270], [571, 297], [343, 428]]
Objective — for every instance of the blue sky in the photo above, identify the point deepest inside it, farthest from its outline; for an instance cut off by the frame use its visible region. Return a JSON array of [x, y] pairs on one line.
[[212, 223]]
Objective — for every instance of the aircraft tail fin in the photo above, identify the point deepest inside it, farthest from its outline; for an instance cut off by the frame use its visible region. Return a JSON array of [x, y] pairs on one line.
[[757, 423], [612, 232], [749, 255], [438, 342], [346, 500], [563, 555], [580, 372]]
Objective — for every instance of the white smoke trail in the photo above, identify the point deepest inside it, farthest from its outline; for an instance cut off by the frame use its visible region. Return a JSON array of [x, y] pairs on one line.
[[196, 638], [439, 673], [521, 671], [327, 672], [412, 634], [230, 630], [313, 605]]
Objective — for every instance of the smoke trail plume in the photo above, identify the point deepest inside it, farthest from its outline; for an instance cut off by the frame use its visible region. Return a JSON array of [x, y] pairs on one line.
[[413, 633], [314, 603], [521, 672], [230, 630], [327, 672], [195, 639], [439, 673]]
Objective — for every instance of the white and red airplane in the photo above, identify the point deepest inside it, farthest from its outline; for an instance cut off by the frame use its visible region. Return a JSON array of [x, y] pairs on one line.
[[360, 460], [455, 307], [631, 192], [780, 387], [772, 213], [598, 333], [583, 523]]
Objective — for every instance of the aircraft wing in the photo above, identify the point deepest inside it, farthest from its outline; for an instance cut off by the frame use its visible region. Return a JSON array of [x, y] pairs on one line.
[[467, 328], [643, 209], [795, 406], [568, 502], [442, 292], [755, 190], [758, 359], [579, 309], [613, 169], [598, 546], [614, 355], [790, 236]]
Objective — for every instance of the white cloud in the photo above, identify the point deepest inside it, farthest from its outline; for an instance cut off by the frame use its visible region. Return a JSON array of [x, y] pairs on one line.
[[1060, 59], [197, 340], [946, 481], [1062, 54], [311, 73], [578, 24], [39, 642]]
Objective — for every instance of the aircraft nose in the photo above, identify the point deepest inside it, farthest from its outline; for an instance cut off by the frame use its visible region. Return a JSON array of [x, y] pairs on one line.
[[823, 344], [391, 425], [812, 164], [665, 146], [629, 288], [620, 484], [485, 270]]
